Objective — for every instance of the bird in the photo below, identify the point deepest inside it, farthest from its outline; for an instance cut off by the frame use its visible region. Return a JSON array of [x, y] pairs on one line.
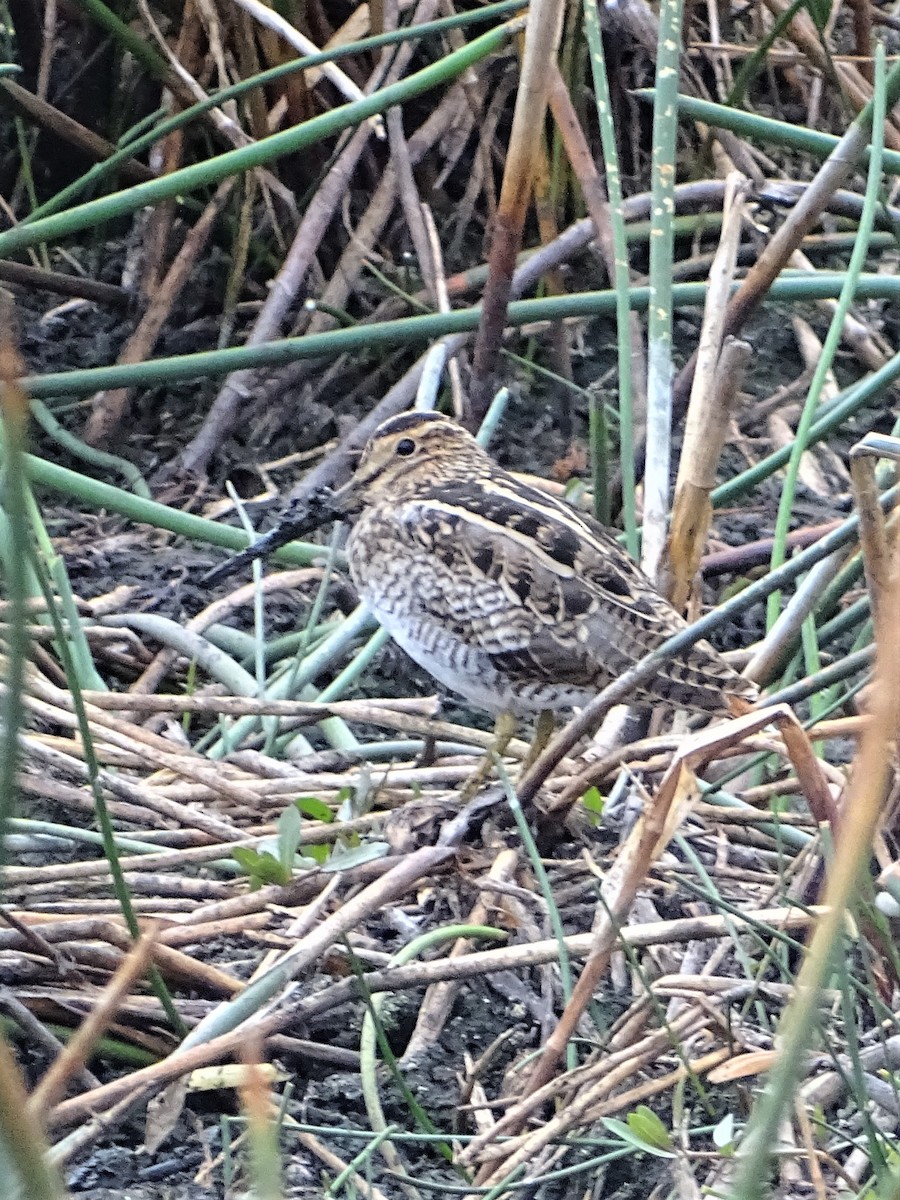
[[506, 595]]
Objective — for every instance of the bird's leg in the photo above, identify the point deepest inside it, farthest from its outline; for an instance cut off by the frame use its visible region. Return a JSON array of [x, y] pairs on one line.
[[504, 728], [543, 732]]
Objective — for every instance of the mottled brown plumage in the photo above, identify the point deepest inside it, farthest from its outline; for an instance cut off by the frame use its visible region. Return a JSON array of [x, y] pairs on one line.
[[503, 593]]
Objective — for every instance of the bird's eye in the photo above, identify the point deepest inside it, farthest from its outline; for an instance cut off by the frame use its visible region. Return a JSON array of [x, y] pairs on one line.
[[405, 447]]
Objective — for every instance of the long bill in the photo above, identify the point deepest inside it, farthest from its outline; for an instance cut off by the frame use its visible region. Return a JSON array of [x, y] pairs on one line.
[[300, 519]]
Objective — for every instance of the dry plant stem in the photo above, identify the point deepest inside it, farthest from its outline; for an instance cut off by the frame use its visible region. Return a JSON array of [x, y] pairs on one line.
[[692, 508], [206, 20], [140, 795], [380, 711], [597, 1081], [487, 111], [211, 930], [200, 1047], [862, 809], [443, 304], [34, 939], [37, 279], [84, 943], [833, 173], [548, 232], [93, 1129], [138, 1085], [186, 89], [153, 673], [654, 755], [105, 1011], [237, 387], [299, 927], [48, 50], [378, 211], [23, 1140], [542, 33], [449, 114], [152, 229], [81, 800], [312, 834], [403, 716], [108, 408], [524, 956], [439, 999], [641, 23], [71, 131], [862, 32], [594, 193], [409, 200], [395, 883], [829, 1089], [516, 958], [649, 837], [268, 17], [755, 554], [39, 1034], [335, 467], [716, 384], [873, 536], [596, 1100], [183, 762], [806, 37], [582, 163], [872, 349]]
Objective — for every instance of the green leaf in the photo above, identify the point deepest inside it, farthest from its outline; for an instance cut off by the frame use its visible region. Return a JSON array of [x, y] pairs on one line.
[[346, 798], [626, 1134], [261, 867], [319, 854], [245, 858], [820, 11], [594, 800], [288, 836], [312, 806], [646, 1125]]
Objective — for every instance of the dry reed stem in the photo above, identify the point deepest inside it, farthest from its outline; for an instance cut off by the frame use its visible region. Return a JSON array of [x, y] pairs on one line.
[[542, 33], [831, 175], [651, 834], [109, 407], [76, 1053], [880, 558], [861, 809], [69, 130], [438, 1001], [23, 1141], [716, 384], [203, 1050], [236, 390]]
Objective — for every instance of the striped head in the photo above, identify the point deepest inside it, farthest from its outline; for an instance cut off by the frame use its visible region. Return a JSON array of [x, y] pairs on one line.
[[408, 455]]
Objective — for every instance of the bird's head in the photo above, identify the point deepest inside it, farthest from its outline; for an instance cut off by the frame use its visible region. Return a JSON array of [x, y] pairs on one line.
[[409, 455]]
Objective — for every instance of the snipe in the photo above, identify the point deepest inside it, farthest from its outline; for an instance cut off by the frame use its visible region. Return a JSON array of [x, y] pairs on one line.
[[502, 593]]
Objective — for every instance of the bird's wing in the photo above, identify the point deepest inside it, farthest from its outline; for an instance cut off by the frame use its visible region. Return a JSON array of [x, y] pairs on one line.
[[547, 592]]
